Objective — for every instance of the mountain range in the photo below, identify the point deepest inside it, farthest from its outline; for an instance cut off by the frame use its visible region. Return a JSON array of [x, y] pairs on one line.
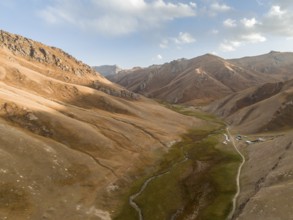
[[259, 109], [206, 78], [77, 145]]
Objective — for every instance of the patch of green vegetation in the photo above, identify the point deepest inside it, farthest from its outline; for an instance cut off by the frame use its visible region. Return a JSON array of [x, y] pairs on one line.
[[192, 111], [200, 176], [127, 212], [173, 156], [164, 195]]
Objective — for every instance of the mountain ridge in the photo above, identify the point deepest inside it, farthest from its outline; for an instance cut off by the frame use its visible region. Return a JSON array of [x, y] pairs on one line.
[[195, 81], [258, 109]]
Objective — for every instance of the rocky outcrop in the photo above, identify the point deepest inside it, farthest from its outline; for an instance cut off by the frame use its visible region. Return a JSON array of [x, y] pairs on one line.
[[122, 93], [36, 51], [66, 67]]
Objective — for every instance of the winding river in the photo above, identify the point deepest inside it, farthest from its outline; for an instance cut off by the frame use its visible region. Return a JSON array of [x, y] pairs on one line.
[[138, 209], [133, 204]]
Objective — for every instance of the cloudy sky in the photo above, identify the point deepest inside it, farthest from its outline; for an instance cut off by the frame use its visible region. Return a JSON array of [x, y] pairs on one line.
[[143, 32]]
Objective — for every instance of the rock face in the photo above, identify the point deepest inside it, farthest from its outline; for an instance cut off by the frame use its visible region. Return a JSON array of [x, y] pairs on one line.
[[106, 70], [71, 143], [25, 47]]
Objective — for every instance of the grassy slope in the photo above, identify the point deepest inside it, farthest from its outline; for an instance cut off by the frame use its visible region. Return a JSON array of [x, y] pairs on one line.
[[189, 185]]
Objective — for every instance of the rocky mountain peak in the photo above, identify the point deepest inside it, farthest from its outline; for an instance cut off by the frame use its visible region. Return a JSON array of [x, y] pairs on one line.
[[274, 52]]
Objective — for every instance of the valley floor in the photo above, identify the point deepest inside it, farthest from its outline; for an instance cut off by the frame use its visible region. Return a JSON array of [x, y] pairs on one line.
[[194, 180]]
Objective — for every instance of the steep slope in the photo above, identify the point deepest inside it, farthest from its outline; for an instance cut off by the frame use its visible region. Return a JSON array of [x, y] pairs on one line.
[[275, 64], [266, 179], [265, 108], [199, 80], [71, 141], [265, 115]]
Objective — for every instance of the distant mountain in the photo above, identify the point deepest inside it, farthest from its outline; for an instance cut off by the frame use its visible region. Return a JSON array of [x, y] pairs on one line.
[[106, 70], [196, 81], [278, 65], [264, 108]]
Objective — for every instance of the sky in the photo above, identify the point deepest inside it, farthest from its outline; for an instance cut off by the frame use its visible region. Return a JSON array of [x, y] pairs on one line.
[[132, 33]]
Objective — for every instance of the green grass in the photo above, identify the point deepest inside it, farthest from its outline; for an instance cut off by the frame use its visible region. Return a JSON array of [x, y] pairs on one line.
[[193, 112], [185, 186], [164, 195]]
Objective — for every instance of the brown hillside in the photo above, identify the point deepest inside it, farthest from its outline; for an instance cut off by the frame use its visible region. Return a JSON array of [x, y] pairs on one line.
[[198, 80], [278, 65], [70, 139], [265, 108], [263, 117], [266, 178]]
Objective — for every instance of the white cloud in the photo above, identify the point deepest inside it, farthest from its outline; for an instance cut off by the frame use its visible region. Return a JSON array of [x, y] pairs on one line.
[[216, 7], [278, 21], [253, 38], [229, 46], [229, 23], [213, 8], [184, 38], [249, 23], [241, 40], [193, 4], [276, 11], [159, 57], [115, 17]]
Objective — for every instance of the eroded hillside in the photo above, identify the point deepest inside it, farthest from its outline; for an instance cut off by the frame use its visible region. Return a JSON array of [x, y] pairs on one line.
[[259, 109], [71, 141], [200, 80], [274, 64]]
